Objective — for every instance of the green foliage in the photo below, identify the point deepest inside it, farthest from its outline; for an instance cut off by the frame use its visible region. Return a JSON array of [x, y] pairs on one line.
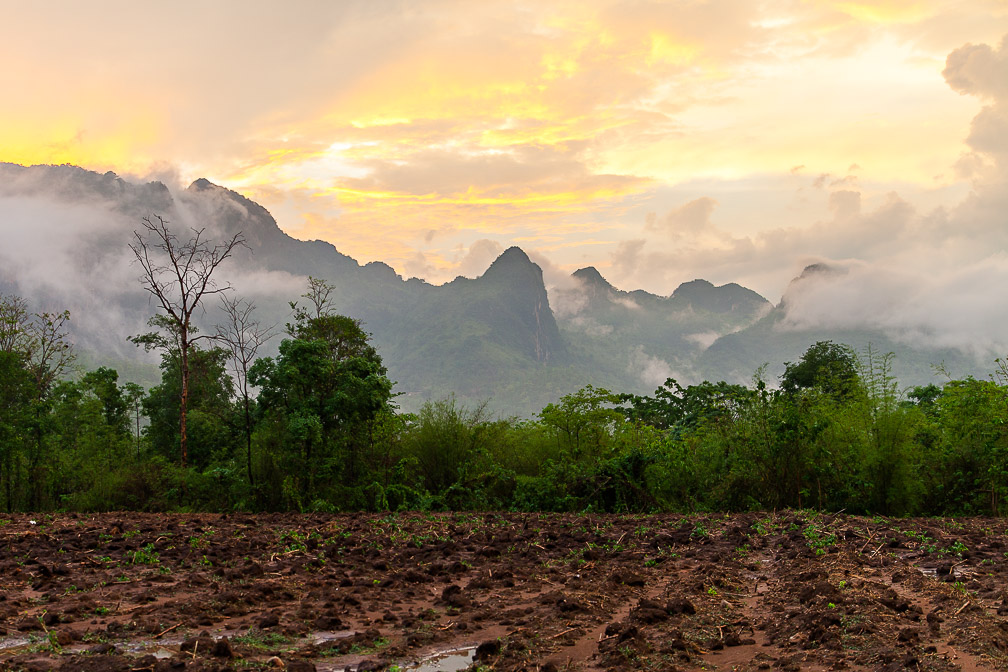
[[584, 422], [839, 434], [210, 405], [320, 400], [826, 366]]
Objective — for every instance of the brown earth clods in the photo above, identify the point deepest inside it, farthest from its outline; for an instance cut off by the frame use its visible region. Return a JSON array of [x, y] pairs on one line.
[[792, 590]]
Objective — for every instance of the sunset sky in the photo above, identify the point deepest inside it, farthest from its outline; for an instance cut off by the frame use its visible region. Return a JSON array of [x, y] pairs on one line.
[[660, 142]]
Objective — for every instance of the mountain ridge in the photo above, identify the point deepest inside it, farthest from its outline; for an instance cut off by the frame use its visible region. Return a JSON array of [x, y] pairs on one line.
[[502, 336]]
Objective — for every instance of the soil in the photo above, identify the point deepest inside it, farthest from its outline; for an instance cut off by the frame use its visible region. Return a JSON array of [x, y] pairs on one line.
[[790, 590]]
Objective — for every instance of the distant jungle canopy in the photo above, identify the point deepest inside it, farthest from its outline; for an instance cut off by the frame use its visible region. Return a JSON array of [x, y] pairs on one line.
[[322, 433]]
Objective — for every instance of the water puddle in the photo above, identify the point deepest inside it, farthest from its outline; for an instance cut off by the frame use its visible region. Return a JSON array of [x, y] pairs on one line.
[[320, 638], [13, 642], [445, 661], [933, 572], [142, 646]]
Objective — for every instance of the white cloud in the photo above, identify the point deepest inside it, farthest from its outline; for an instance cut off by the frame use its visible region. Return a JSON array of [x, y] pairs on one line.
[[651, 370]]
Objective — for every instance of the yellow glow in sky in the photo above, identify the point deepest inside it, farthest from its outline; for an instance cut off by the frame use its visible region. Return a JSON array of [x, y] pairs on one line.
[[409, 133]]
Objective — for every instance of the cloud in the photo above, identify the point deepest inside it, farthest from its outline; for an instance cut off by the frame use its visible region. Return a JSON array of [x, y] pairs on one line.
[[936, 307], [65, 246], [704, 339], [690, 219], [982, 71], [929, 279], [60, 256], [845, 204], [478, 257], [979, 70], [650, 370]]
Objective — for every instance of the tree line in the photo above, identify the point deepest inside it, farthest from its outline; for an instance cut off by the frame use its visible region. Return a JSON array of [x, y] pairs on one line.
[[317, 428]]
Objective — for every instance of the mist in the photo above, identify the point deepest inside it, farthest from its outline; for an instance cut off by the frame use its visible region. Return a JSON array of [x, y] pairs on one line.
[[66, 247]]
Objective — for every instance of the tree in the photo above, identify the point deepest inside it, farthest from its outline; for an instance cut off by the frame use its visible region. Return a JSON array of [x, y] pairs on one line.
[[134, 395], [320, 399], [445, 438], [40, 345], [243, 336], [586, 419], [178, 274], [825, 365], [210, 394], [103, 383], [13, 318], [16, 394]]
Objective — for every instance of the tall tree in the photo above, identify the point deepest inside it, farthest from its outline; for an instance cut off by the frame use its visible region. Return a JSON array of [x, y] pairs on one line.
[[49, 356], [134, 394], [243, 336], [40, 345], [178, 274], [825, 365], [210, 406], [320, 398]]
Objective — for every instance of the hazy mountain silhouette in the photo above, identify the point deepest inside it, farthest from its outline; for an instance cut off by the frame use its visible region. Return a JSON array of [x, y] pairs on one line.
[[501, 336]]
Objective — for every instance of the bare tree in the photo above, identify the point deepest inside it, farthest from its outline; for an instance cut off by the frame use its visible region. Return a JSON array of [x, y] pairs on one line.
[[319, 294], [178, 274], [243, 336], [50, 351]]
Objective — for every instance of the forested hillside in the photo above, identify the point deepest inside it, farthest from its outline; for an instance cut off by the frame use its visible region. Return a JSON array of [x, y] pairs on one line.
[[316, 428]]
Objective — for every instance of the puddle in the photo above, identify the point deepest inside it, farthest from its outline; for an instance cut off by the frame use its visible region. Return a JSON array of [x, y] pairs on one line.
[[14, 642], [144, 645], [320, 638], [445, 661], [933, 572]]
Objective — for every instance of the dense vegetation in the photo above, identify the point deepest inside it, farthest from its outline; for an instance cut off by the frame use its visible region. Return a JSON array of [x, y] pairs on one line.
[[323, 433]]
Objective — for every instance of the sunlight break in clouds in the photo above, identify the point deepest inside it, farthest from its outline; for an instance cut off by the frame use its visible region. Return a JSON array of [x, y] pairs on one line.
[[409, 134]]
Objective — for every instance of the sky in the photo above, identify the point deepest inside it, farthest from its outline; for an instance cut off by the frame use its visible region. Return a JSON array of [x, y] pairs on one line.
[[731, 140]]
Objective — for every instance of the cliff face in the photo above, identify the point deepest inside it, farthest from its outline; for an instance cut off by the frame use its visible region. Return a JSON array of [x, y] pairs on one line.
[[522, 316]]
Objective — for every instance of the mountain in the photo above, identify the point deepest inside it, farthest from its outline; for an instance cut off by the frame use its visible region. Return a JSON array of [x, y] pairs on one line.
[[639, 339], [780, 336], [502, 337], [494, 337]]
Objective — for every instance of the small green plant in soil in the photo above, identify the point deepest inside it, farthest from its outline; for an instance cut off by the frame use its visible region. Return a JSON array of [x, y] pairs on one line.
[[764, 526], [146, 556], [201, 542], [818, 539], [958, 548], [261, 640]]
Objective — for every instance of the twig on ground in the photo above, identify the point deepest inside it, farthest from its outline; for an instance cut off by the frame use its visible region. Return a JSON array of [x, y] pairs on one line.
[[165, 632]]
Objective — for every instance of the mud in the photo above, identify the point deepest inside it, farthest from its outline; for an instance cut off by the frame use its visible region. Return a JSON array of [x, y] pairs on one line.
[[429, 592]]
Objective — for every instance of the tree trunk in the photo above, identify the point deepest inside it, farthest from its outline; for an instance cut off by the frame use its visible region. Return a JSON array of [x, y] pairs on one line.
[[184, 406], [248, 441]]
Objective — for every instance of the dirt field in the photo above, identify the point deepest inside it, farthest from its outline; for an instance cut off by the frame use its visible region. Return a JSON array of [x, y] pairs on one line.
[[426, 592]]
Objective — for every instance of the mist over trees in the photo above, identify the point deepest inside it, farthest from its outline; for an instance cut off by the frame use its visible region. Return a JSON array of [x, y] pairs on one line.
[[316, 428]]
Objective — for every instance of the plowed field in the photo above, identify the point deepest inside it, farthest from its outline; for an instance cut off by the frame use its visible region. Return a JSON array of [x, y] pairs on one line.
[[771, 591]]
